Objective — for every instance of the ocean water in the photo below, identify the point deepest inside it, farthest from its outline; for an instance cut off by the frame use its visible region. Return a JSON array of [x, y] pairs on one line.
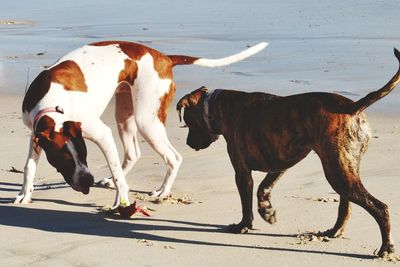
[[315, 45]]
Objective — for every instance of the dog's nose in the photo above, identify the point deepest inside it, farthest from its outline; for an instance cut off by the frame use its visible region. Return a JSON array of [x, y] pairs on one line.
[[85, 182], [192, 144]]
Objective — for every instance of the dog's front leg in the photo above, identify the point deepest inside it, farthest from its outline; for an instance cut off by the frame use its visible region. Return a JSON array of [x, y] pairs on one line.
[[244, 183], [100, 134], [25, 194], [265, 208]]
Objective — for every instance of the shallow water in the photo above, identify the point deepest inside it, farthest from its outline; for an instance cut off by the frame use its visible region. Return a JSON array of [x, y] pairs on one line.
[[340, 46]]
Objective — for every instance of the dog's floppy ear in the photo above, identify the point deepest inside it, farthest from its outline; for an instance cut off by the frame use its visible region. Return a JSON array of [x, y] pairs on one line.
[[190, 100], [44, 130], [72, 129]]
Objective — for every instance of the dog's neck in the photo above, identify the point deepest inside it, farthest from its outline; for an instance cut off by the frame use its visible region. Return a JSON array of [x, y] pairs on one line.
[[223, 107], [42, 112], [209, 110]]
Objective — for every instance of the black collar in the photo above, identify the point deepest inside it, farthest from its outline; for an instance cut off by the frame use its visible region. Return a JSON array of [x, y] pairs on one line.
[[209, 116]]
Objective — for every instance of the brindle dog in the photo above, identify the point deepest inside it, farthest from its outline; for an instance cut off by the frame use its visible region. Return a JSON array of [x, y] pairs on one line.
[[272, 133]]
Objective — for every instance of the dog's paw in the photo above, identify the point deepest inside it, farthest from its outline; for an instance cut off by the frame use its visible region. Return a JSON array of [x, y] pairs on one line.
[[385, 250], [240, 228], [331, 233], [106, 182], [160, 193], [268, 214], [22, 199]]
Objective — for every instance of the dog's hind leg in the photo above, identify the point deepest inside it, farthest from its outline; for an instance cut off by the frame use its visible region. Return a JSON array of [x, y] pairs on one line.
[[127, 129], [265, 208], [128, 133], [154, 132], [152, 96], [343, 216], [150, 116], [342, 173], [25, 194], [379, 211]]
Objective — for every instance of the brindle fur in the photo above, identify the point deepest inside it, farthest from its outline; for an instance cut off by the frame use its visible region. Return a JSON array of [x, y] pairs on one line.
[[271, 133]]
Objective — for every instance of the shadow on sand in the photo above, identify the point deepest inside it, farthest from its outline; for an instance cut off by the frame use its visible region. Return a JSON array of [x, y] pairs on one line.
[[139, 228]]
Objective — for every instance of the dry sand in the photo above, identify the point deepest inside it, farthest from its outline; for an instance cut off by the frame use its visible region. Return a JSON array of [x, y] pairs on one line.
[[64, 228]]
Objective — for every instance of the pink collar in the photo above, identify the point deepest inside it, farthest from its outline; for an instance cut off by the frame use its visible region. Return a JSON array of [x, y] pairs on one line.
[[42, 112]]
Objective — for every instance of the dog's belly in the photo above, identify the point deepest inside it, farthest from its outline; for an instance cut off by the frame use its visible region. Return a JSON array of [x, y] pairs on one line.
[[261, 157], [268, 150]]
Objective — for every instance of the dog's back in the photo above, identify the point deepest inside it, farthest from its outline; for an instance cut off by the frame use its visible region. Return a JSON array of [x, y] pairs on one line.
[[295, 124]]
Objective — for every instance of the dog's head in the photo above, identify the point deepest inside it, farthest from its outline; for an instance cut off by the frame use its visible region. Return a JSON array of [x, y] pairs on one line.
[[66, 151], [199, 136]]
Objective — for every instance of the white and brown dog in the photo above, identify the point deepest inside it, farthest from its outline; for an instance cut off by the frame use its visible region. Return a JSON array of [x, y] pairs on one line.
[[64, 103]]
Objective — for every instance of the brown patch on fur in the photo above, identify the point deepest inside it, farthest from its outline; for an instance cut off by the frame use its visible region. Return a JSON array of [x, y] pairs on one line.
[[70, 75], [45, 126], [182, 60], [123, 103], [107, 43], [72, 129], [45, 131], [132, 50], [66, 73], [129, 73], [165, 101], [162, 63]]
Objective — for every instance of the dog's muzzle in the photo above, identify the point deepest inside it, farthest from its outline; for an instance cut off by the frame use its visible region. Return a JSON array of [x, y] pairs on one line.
[[82, 182], [86, 182], [198, 142]]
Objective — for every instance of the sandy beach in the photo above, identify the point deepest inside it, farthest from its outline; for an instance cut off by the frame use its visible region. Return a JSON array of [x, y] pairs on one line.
[[318, 47]]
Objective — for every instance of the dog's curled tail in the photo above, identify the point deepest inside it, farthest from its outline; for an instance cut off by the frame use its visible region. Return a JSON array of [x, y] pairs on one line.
[[219, 62], [372, 97]]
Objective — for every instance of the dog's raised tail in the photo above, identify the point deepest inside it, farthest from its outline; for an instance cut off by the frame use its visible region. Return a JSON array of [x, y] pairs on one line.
[[372, 97], [219, 62]]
